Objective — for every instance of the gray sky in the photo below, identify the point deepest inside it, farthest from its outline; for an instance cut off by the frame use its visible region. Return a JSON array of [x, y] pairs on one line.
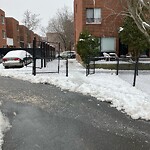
[[46, 8]]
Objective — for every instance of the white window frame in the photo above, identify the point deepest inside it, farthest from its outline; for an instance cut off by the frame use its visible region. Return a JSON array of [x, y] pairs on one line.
[[93, 16], [3, 19], [3, 34], [17, 27]]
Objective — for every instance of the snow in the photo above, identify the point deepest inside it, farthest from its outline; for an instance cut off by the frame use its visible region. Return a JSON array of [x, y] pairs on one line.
[[145, 24], [81, 40], [104, 85], [20, 53], [4, 126]]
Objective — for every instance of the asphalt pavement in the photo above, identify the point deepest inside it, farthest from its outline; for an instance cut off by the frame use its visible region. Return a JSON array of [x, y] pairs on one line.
[[43, 117]]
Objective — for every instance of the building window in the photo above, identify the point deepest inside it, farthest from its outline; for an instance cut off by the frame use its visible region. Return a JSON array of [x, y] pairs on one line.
[[108, 44], [93, 15], [3, 34], [18, 39], [76, 8], [17, 27], [3, 19]]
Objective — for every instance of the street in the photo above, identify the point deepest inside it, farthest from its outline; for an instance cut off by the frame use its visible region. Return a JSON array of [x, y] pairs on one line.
[[43, 117]]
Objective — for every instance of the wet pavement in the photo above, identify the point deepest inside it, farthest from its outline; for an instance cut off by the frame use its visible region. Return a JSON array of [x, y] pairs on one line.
[[44, 117]]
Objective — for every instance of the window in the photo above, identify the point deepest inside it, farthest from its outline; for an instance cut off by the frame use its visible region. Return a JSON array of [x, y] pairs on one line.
[[93, 15], [3, 34], [76, 8], [108, 44], [4, 46], [3, 19], [18, 39], [17, 27]]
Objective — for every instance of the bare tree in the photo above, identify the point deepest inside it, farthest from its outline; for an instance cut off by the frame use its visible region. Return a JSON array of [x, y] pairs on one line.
[[30, 20], [139, 10], [43, 31], [62, 24]]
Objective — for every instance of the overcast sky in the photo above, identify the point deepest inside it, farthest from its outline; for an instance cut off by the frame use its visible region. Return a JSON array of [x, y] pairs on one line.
[[46, 8]]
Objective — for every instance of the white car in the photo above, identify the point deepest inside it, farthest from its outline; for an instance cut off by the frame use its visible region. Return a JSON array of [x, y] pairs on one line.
[[16, 58], [67, 54]]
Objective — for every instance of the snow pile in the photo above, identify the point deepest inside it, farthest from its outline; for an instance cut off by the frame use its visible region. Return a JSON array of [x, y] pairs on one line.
[[104, 85], [4, 126]]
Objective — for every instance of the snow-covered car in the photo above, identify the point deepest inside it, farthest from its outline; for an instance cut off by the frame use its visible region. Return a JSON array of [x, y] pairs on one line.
[[67, 54], [16, 58]]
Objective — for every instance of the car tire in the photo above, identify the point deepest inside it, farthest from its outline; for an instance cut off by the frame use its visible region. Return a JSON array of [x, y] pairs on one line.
[[6, 67], [23, 64]]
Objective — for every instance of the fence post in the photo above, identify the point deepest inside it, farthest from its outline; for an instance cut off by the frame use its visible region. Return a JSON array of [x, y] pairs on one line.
[[94, 66], [67, 66], [44, 51], [117, 67], [34, 57], [58, 57], [88, 66], [135, 71], [41, 54]]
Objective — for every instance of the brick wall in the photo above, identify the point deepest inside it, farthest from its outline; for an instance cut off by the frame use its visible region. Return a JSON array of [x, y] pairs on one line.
[[54, 39], [30, 37], [12, 28], [38, 39], [78, 18], [2, 29], [110, 22], [23, 36]]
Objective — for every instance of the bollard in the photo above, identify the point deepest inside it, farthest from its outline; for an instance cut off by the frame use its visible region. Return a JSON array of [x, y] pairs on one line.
[[67, 67], [117, 67], [135, 71], [34, 57]]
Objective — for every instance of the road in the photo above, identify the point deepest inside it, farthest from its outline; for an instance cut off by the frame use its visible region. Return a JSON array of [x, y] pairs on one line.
[[43, 117]]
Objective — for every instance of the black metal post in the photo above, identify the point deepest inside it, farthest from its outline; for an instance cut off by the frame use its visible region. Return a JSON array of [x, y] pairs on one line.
[[48, 52], [135, 71], [94, 66], [41, 54], [34, 57], [88, 66], [44, 53], [58, 57], [26, 59], [117, 67], [87, 69], [51, 53], [67, 67]]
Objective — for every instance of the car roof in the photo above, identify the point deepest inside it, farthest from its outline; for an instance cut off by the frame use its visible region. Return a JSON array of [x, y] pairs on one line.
[[16, 53]]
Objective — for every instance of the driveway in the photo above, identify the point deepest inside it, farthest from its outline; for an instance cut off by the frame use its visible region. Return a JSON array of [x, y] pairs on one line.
[[45, 118]]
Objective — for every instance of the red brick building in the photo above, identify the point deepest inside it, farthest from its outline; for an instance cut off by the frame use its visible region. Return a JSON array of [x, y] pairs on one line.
[[12, 28], [101, 19], [3, 36], [30, 37], [54, 39], [23, 36], [38, 39]]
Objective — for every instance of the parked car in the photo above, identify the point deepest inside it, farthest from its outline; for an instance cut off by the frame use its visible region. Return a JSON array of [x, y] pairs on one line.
[[16, 58], [67, 54]]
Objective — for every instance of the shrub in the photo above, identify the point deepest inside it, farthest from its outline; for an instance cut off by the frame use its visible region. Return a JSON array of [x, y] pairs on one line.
[[87, 46]]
